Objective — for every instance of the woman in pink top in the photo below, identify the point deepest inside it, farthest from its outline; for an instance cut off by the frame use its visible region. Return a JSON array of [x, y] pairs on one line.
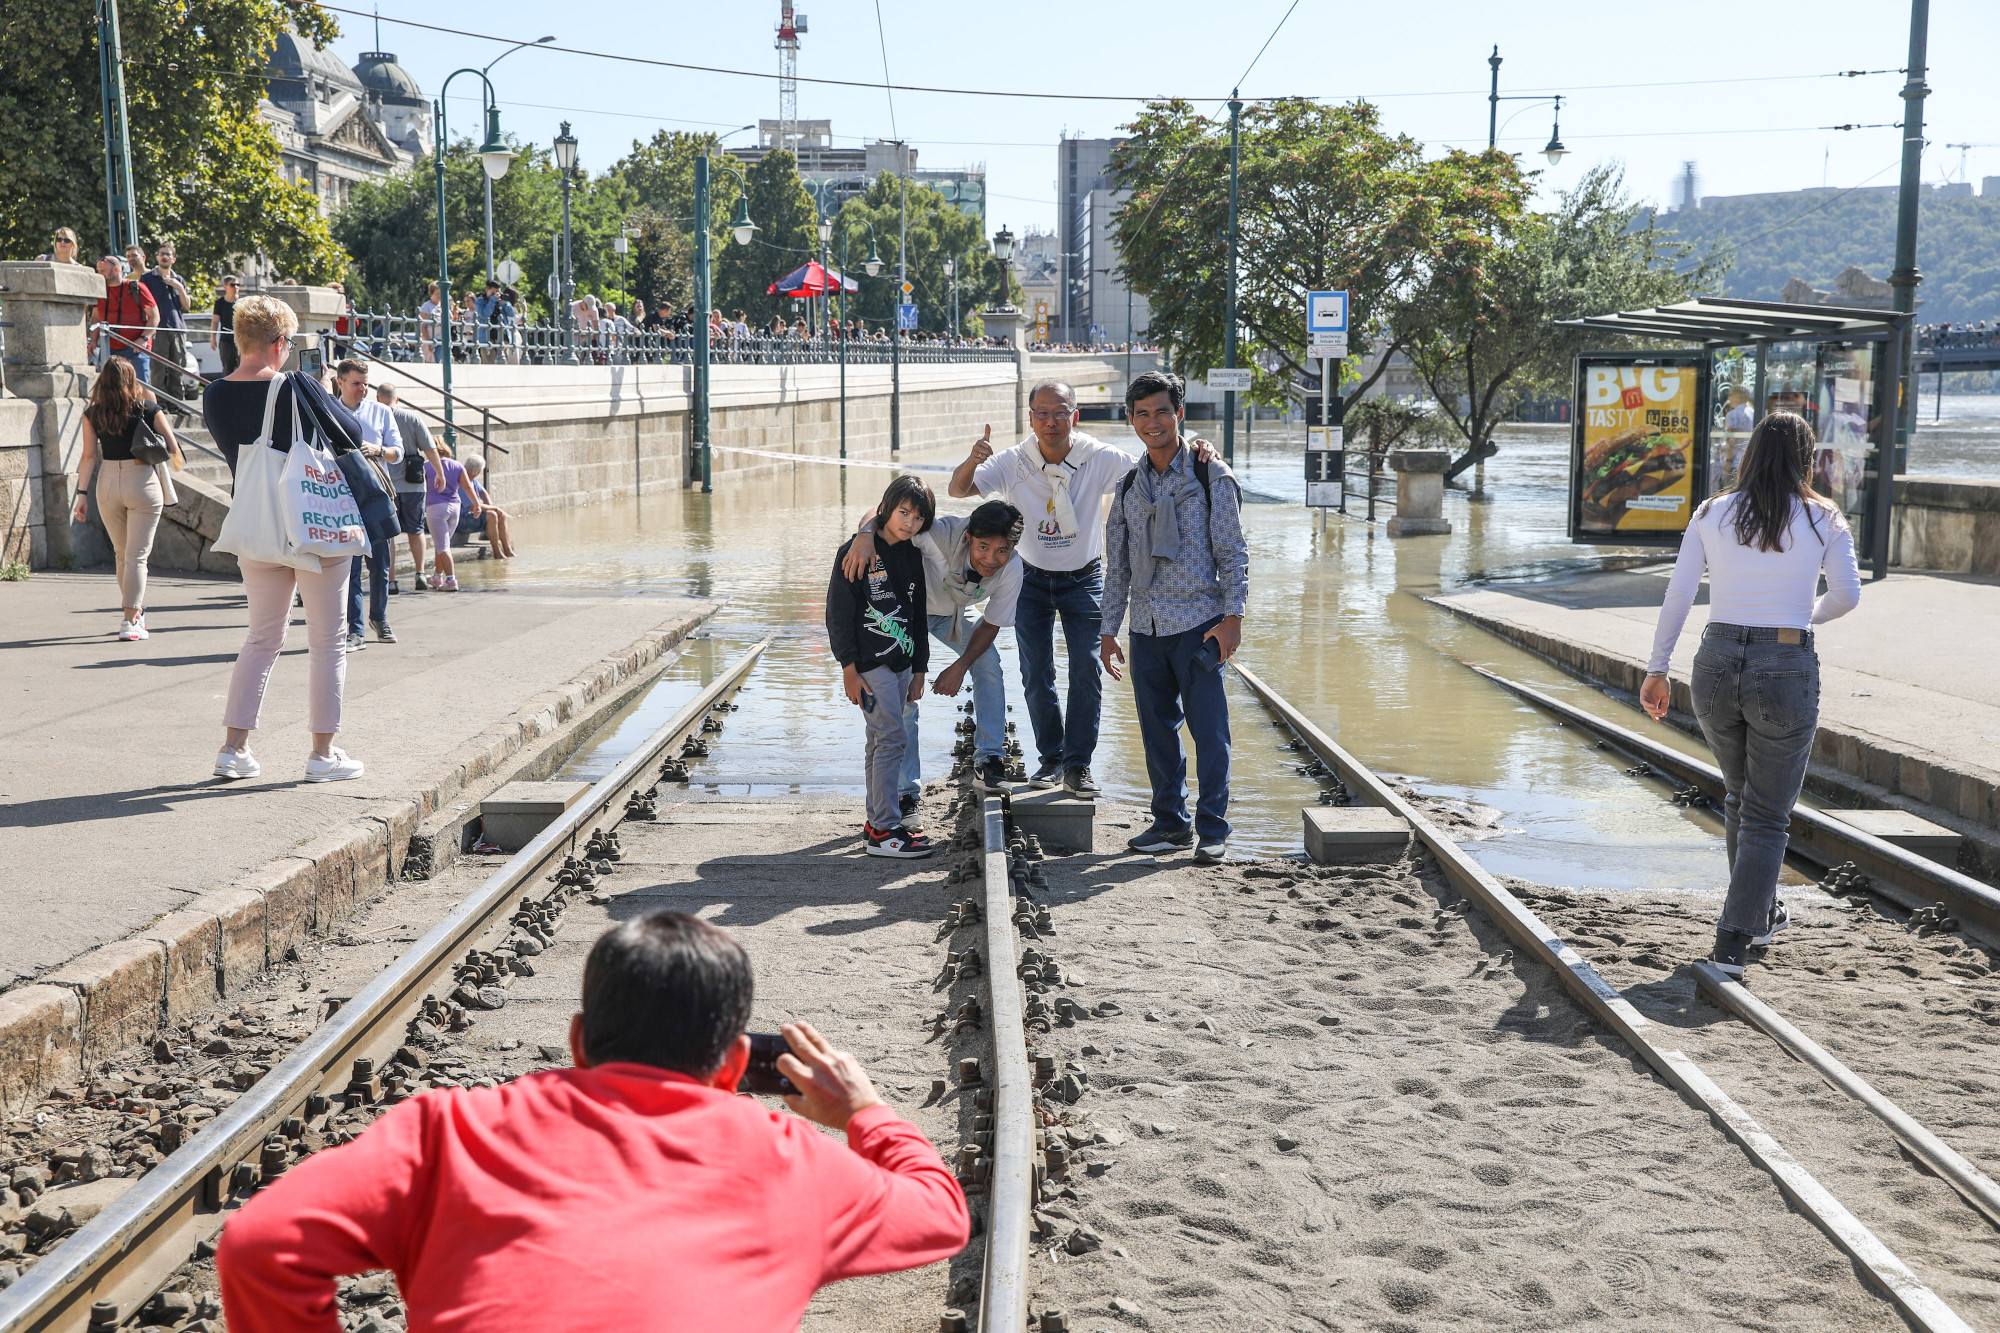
[[1755, 686]]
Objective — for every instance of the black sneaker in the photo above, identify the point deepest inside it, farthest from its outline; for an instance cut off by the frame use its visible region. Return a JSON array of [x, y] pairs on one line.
[[992, 774], [1210, 853], [1076, 781], [1731, 950], [897, 842], [394, 590], [910, 807], [1154, 840], [1048, 775], [1780, 918]]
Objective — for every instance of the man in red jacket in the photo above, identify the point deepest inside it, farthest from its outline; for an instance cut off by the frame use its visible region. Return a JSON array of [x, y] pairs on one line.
[[636, 1190]]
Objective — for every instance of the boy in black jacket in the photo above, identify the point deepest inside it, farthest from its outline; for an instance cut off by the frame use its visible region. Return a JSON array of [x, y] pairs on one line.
[[878, 627]]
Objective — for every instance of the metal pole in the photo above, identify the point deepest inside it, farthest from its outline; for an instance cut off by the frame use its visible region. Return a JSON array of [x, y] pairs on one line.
[[1229, 312], [1904, 279], [896, 328], [447, 316], [120, 222], [843, 344], [1325, 420], [1493, 102], [487, 181], [568, 283], [701, 317]]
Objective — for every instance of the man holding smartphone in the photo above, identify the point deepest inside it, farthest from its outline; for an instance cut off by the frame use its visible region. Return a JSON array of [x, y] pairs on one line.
[[1174, 550]]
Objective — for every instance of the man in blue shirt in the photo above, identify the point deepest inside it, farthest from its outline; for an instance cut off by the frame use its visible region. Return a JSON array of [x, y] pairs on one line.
[[492, 327], [1174, 550]]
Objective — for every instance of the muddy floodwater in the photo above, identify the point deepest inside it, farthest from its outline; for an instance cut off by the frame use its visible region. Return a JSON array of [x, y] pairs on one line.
[[1337, 622]]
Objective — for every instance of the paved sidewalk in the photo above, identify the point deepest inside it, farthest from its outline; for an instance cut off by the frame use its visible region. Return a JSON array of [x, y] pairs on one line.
[[108, 815], [1907, 678]]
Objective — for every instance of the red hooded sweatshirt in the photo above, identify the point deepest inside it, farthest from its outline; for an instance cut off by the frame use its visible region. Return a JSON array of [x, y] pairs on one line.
[[589, 1199]]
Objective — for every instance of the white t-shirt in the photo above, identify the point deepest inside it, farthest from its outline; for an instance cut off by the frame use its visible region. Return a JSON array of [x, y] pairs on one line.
[[951, 583], [1029, 490], [1746, 586]]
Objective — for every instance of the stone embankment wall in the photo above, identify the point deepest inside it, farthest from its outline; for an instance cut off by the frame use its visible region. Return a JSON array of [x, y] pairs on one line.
[[1947, 524], [562, 436]]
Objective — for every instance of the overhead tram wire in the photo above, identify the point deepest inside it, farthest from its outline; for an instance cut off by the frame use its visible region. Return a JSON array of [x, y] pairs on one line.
[[1065, 96]]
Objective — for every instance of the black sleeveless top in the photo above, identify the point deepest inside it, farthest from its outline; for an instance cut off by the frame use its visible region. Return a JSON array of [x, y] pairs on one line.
[[118, 448]]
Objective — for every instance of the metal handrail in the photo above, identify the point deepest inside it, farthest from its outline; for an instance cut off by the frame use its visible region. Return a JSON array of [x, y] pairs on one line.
[[449, 424], [179, 405], [126, 1251]]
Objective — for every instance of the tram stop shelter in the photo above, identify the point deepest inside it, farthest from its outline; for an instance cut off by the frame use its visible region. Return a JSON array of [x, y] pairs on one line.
[[1836, 366]]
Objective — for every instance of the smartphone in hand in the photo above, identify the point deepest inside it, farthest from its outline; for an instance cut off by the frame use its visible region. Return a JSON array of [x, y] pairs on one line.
[[1209, 655], [761, 1074]]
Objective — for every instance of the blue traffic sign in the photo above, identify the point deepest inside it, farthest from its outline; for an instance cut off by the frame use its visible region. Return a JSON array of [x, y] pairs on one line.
[[1326, 312], [906, 316]]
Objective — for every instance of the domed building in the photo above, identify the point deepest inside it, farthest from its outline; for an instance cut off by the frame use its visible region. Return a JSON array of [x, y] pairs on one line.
[[338, 125]]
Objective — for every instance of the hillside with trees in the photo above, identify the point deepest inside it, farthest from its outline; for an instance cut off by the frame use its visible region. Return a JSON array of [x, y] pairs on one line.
[[1814, 234]]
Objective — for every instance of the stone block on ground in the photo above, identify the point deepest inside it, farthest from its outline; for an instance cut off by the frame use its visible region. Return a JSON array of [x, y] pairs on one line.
[[41, 1042], [1061, 821], [1900, 828], [515, 814], [1338, 832]]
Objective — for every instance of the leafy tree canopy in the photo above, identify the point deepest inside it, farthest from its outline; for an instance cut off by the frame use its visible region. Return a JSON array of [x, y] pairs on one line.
[[205, 166], [1328, 200], [937, 231]]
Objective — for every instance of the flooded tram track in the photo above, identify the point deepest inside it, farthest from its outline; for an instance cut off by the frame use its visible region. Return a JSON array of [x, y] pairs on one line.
[[1290, 1094]]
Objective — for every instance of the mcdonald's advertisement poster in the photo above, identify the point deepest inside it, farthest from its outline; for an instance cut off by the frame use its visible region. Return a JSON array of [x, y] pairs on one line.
[[1637, 447]]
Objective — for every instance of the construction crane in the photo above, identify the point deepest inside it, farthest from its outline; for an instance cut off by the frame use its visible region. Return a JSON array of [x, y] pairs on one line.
[[790, 25], [1963, 149]]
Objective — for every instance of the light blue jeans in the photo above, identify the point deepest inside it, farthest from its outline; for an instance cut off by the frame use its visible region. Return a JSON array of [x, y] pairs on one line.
[[1758, 704], [989, 699]]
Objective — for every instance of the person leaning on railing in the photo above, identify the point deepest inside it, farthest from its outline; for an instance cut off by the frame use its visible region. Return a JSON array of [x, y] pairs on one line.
[[636, 1190]]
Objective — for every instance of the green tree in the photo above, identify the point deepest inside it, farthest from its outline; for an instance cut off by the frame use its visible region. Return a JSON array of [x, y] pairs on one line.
[[205, 165], [787, 236], [662, 263], [937, 231], [1328, 200], [1485, 331], [661, 174]]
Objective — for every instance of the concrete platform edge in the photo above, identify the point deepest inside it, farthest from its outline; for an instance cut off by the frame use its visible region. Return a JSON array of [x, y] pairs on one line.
[[120, 994], [1846, 764]]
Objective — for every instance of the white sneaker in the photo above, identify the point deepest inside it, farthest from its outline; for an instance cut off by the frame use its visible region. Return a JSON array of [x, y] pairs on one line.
[[131, 631], [336, 767], [236, 764]]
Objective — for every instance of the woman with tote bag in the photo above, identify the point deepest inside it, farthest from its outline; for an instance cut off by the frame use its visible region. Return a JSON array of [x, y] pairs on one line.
[[255, 413], [127, 440], [1765, 543]]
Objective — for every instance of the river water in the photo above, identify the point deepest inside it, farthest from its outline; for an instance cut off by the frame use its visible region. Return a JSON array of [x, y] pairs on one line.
[[1337, 623]]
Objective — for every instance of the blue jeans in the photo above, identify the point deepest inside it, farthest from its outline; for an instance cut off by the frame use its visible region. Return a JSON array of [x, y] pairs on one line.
[[379, 560], [1758, 704], [1078, 597], [1168, 687], [989, 701], [142, 362]]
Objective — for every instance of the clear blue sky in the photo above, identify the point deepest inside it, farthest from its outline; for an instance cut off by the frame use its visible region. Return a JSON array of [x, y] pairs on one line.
[[1425, 63]]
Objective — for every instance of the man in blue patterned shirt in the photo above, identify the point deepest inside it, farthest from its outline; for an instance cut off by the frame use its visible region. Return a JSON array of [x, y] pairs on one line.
[[1174, 550]]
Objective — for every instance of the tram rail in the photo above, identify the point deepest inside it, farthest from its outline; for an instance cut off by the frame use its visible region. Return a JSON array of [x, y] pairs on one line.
[[114, 1263]]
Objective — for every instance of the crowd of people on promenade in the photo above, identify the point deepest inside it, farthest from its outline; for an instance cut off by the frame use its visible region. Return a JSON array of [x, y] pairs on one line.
[[1042, 345], [1170, 553], [1960, 333]]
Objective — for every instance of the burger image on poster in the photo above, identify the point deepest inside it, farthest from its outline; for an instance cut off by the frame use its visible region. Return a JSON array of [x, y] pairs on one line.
[[1637, 432]]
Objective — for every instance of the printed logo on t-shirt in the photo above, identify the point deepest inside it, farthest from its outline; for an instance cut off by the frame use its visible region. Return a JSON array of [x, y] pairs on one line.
[[1050, 531]]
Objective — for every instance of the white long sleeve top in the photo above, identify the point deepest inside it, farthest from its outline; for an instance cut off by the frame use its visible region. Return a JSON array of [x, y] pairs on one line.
[[1747, 586]]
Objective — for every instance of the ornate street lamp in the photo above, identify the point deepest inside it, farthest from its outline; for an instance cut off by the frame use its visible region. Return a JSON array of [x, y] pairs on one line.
[[742, 228], [1003, 250], [496, 157], [872, 265], [1555, 150], [565, 146]]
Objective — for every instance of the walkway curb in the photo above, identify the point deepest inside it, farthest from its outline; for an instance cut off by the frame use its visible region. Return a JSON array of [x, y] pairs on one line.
[[120, 994], [1843, 757]]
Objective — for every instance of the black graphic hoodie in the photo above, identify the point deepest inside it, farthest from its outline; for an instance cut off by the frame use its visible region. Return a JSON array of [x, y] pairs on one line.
[[880, 619]]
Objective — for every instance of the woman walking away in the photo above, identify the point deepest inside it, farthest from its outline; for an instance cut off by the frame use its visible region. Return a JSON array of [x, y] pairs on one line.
[[129, 497], [445, 484], [234, 409], [1765, 543]]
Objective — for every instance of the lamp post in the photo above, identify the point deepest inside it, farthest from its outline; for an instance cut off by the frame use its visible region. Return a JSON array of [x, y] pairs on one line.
[[495, 156], [742, 228], [566, 291], [902, 295], [951, 271], [1904, 279], [490, 110], [873, 264], [825, 296], [1229, 312], [1554, 150]]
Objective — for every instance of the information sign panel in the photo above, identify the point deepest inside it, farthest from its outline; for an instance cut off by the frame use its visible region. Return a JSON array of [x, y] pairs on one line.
[[1326, 475], [1639, 447], [1227, 380], [1324, 437], [1326, 312], [906, 316], [1327, 346]]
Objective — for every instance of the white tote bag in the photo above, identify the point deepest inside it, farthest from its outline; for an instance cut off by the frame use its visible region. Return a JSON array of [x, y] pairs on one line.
[[255, 527], [320, 511]]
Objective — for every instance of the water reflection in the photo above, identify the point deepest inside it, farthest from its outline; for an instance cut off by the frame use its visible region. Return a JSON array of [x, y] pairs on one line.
[[1337, 622]]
